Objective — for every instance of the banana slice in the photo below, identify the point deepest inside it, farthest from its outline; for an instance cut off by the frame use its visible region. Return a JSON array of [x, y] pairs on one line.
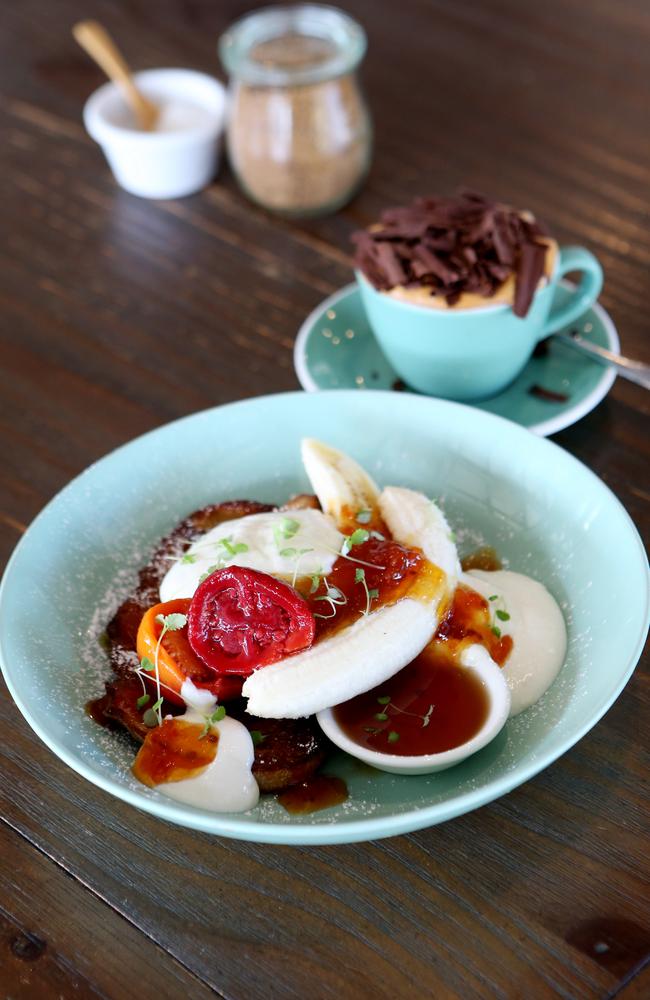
[[341, 485], [377, 645], [347, 663], [417, 522]]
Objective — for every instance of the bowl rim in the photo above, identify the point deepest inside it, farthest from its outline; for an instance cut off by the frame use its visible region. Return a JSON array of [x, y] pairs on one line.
[[368, 828]]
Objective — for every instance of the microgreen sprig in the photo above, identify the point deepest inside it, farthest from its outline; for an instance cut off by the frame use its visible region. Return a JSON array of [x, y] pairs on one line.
[[500, 613], [147, 666], [216, 716], [373, 594], [382, 716], [334, 597], [300, 553], [153, 716], [286, 529], [209, 571], [233, 549], [358, 537]]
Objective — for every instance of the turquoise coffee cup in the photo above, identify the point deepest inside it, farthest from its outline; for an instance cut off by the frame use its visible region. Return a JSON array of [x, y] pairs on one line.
[[467, 354]]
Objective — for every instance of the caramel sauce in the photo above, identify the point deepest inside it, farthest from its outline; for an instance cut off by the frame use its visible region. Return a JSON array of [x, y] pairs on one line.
[[319, 792], [433, 704], [469, 621], [389, 568], [348, 521], [95, 710], [174, 751], [484, 558]]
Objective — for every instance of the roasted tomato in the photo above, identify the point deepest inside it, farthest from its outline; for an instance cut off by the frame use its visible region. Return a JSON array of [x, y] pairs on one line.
[[176, 660], [240, 620]]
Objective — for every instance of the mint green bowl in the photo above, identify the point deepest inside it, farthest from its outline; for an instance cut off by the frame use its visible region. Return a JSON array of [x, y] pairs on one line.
[[545, 512]]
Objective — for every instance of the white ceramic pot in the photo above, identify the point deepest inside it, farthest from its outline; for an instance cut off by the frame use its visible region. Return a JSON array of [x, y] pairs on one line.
[[180, 158], [474, 658]]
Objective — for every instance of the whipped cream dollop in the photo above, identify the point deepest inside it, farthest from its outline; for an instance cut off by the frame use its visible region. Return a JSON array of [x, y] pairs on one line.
[[227, 783], [284, 544], [536, 625]]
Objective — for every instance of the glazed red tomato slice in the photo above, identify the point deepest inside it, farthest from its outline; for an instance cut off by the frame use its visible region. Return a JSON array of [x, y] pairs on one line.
[[176, 660], [240, 620]]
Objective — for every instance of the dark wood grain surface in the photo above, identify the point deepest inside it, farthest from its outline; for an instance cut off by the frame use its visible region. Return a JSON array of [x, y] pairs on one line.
[[118, 315]]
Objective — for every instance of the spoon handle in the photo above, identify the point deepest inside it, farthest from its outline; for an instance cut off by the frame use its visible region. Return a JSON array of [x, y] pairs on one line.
[[99, 45], [634, 371]]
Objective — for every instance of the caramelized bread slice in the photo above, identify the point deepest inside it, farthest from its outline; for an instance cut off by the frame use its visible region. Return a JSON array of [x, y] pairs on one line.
[[287, 751]]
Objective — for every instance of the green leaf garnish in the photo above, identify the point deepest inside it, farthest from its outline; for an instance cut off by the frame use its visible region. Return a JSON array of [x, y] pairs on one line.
[[373, 594], [172, 623], [503, 616], [363, 516], [393, 736], [150, 718], [371, 729], [257, 737], [315, 583], [189, 557], [360, 577], [142, 700], [288, 553], [494, 597], [381, 716], [147, 664], [287, 528], [232, 550], [384, 700], [209, 571], [331, 599], [156, 705], [496, 631], [218, 714], [357, 537]]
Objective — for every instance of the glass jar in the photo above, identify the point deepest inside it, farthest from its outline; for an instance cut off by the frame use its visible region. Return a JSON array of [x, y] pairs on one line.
[[299, 133]]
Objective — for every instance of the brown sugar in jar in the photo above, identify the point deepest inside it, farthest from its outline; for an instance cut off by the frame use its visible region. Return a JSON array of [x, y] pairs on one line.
[[299, 134]]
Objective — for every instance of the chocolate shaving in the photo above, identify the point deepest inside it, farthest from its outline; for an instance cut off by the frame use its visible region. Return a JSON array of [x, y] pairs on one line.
[[530, 268], [464, 243], [548, 394]]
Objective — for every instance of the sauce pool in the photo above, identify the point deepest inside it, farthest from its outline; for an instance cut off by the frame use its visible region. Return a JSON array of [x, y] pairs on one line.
[[320, 792], [430, 706], [433, 704]]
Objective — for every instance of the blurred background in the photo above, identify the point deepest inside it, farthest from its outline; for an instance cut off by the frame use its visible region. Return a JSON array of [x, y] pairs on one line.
[[146, 310]]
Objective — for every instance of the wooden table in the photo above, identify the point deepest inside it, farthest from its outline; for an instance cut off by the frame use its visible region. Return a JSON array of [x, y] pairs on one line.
[[120, 314]]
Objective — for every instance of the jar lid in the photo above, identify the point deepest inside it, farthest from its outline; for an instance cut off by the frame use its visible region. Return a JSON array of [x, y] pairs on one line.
[[279, 46]]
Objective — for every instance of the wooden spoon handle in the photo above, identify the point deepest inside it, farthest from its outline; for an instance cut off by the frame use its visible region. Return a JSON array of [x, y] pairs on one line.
[[100, 46]]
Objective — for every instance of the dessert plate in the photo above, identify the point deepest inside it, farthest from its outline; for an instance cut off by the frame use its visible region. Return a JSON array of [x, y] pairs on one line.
[[336, 349], [79, 557]]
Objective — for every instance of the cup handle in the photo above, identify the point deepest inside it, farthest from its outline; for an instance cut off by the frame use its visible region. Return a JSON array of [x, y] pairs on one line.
[[588, 290]]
